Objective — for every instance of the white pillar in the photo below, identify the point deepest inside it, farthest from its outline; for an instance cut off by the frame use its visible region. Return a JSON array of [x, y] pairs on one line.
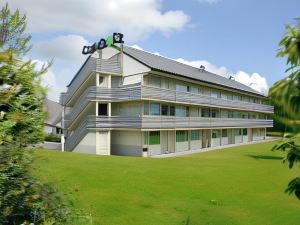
[[96, 110]]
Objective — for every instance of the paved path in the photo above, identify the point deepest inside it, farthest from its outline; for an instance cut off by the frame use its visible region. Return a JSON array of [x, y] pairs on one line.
[[175, 154]]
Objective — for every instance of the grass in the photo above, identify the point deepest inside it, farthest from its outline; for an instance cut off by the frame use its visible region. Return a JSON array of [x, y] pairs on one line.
[[241, 185]]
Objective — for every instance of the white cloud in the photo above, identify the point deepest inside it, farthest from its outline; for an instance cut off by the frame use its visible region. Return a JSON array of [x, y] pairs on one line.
[[66, 47], [254, 80], [135, 18], [223, 71], [49, 82]]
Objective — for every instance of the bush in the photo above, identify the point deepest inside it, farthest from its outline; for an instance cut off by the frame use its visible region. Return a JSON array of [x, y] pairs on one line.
[[22, 197], [52, 138]]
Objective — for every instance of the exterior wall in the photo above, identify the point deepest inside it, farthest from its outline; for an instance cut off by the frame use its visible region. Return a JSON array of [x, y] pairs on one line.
[[131, 66], [215, 142], [126, 143], [196, 144], [103, 145], [238, 139], [164, 141], [87, 144], [48, 129], [182, 146], [257, 136], [107, 53]]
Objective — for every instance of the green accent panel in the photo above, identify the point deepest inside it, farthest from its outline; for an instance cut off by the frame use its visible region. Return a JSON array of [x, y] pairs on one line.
[[109, 41]]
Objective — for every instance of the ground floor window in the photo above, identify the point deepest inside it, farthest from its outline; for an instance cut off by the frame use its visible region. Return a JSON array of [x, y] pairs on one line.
[[195, 135], [245, 132], [215, 134], [181, 136], [154, 137], [224, 133], [146, 138], [238, 132]]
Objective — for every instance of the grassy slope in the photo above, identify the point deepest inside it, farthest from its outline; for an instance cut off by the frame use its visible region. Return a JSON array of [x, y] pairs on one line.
[[242, 185]]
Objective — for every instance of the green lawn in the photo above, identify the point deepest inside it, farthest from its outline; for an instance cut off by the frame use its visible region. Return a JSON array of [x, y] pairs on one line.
[[241, 185]]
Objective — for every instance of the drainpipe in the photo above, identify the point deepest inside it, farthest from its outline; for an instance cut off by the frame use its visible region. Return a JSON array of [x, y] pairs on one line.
[[62, 137]]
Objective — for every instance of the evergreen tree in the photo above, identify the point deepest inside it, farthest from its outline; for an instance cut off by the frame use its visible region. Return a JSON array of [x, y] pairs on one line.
[[22, 197]]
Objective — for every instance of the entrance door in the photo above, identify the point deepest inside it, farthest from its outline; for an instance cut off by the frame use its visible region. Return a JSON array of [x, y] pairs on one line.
[[171, 141], [206, 135]]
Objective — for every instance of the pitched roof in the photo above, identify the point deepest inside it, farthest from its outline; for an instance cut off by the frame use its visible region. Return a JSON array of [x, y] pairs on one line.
[[54, 110], [163, 64]]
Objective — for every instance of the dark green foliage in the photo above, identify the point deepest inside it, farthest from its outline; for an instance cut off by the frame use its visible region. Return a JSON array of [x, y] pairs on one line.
[[22, 197], [52, 138], [285, 95]]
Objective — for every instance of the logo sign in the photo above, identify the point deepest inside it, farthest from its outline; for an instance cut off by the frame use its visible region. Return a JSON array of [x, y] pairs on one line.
[[116, 38]]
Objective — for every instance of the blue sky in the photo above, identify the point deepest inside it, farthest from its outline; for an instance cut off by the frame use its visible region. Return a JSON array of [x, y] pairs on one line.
[[229, 37]]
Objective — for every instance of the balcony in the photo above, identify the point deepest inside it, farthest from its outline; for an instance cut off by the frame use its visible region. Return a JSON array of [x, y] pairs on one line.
[[139, 92], [168, 122], [199, 99]]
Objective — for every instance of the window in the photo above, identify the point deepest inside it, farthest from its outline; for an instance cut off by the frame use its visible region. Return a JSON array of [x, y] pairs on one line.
[[230, 114], [238, 132], [154, 81], [181, 136], [224, 95], [164, 110], [205, 112], [146, 108], [214, 113], [205, 91], [181, 87], [182, 111], [146, 138], [102, 109], [237, 97], [215, 94], [245, 132], [194, 90], [154, 137], [195, 135], [229, 97], [58, 130], [155, 109], [101, 80], [215, 134], [172, 110], [224, 133], [245, 115]]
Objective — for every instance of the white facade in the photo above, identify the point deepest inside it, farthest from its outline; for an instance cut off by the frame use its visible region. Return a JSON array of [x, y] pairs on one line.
[[118, 105]]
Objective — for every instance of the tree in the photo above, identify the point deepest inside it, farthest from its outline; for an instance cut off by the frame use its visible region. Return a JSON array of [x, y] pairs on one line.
[[286, 95], [22, 197]]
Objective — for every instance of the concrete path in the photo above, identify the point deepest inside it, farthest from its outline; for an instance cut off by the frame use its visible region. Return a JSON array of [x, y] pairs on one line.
[[175, 154]]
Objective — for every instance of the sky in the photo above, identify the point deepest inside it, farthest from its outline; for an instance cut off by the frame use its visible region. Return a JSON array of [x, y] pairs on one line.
[[229, 37]]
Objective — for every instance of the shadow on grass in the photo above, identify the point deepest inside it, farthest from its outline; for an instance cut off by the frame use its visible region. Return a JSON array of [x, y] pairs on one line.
[[266, 157]]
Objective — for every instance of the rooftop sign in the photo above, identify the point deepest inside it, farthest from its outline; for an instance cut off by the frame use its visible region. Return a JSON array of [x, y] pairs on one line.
[[116, 38]]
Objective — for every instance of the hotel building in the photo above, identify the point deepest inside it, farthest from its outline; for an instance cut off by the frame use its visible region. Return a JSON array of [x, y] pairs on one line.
[[131, 102]]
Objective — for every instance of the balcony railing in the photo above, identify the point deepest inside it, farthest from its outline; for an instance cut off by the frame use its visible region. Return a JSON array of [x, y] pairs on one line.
[[168, 122], [111, 66], [199, 99], [156, 122], [138, 92]]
